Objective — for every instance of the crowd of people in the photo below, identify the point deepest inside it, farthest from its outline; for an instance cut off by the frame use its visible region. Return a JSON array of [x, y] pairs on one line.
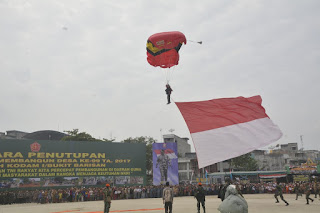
[[74, 194]]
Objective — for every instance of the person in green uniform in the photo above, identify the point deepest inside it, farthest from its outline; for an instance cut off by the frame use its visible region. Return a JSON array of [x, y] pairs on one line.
[[297, 190], [278, 192], [316, 189], [200, 195], [308, 193], [107, 194]]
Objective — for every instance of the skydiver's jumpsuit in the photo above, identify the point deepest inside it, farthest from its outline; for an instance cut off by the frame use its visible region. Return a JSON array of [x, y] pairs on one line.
[[168, 92]]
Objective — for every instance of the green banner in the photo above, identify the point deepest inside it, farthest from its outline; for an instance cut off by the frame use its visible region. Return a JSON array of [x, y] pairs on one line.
[[76, 162], [301, 178]]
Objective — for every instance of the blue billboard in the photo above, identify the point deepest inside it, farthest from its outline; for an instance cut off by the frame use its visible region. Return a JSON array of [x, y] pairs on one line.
[[165, 163]]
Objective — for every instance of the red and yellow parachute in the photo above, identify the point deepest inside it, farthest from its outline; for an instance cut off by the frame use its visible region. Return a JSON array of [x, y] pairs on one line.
[[163, 48]]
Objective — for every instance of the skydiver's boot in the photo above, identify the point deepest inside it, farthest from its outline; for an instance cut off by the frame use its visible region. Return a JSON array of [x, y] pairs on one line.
[[204, 209]]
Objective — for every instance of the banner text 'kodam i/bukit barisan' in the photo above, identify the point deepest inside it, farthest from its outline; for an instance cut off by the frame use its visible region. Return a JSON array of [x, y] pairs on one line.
[[28, 163]]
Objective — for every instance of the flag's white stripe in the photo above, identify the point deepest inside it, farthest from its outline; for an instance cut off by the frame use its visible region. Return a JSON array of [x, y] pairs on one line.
[[223, 143], [171, 155]]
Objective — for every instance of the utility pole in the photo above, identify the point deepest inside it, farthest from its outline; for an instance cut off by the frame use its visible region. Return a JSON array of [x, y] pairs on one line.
[[301, 140]]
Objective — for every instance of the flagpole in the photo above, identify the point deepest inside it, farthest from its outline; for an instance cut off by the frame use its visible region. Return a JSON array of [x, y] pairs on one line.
[[206, 177]]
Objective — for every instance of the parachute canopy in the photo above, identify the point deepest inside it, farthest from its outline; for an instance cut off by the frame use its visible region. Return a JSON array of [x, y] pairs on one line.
[[163, 48]]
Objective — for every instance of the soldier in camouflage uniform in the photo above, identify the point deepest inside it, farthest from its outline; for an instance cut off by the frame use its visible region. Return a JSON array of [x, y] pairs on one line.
[[316, 190], [107, 194], [163, 162], [278, 192], [297, 190], [308, 193]]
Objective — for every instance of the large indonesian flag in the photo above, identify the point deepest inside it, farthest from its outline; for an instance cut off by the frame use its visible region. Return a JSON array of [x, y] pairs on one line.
[[228, 127]]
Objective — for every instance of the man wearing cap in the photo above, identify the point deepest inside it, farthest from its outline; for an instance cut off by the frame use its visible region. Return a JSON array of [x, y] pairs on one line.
[[200, 195], [107, 194]]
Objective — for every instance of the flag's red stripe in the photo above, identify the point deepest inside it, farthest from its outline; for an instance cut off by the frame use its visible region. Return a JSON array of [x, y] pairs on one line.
[[166, 151], [206, 115]]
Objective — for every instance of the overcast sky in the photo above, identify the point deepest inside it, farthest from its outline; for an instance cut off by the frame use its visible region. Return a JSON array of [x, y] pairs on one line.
[[82, 64]]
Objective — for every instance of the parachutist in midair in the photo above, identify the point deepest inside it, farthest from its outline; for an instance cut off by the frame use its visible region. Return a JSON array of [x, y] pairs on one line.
[[168, 92]]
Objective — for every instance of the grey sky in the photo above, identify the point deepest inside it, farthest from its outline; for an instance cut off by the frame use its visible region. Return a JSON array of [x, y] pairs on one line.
[[82, 64]]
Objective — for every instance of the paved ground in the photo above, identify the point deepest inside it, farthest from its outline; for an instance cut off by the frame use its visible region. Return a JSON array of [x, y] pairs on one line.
[[264, 203]]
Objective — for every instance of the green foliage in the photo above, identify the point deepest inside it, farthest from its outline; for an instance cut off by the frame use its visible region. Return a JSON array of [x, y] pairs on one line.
[[108, 140], [75, 135], [244, 163]]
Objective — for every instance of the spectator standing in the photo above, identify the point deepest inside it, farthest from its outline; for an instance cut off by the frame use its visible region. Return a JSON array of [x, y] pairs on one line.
[[200, 195], [167, 197]]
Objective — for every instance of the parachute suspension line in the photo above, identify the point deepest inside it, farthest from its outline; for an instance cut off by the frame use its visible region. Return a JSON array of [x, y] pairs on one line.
[[170, 74], [199, 42], [161, 70], [164, 72]]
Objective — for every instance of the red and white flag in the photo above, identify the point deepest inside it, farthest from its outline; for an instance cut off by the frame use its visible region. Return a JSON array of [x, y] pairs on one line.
[[228, 127], [169, 152]]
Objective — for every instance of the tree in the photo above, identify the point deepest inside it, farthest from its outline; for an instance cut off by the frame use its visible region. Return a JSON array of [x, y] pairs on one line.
[[75, 135], [244, 162], [148, 141], [108, 140]]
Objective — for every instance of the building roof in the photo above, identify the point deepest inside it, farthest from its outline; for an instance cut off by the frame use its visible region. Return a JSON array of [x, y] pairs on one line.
[[45, 135]]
